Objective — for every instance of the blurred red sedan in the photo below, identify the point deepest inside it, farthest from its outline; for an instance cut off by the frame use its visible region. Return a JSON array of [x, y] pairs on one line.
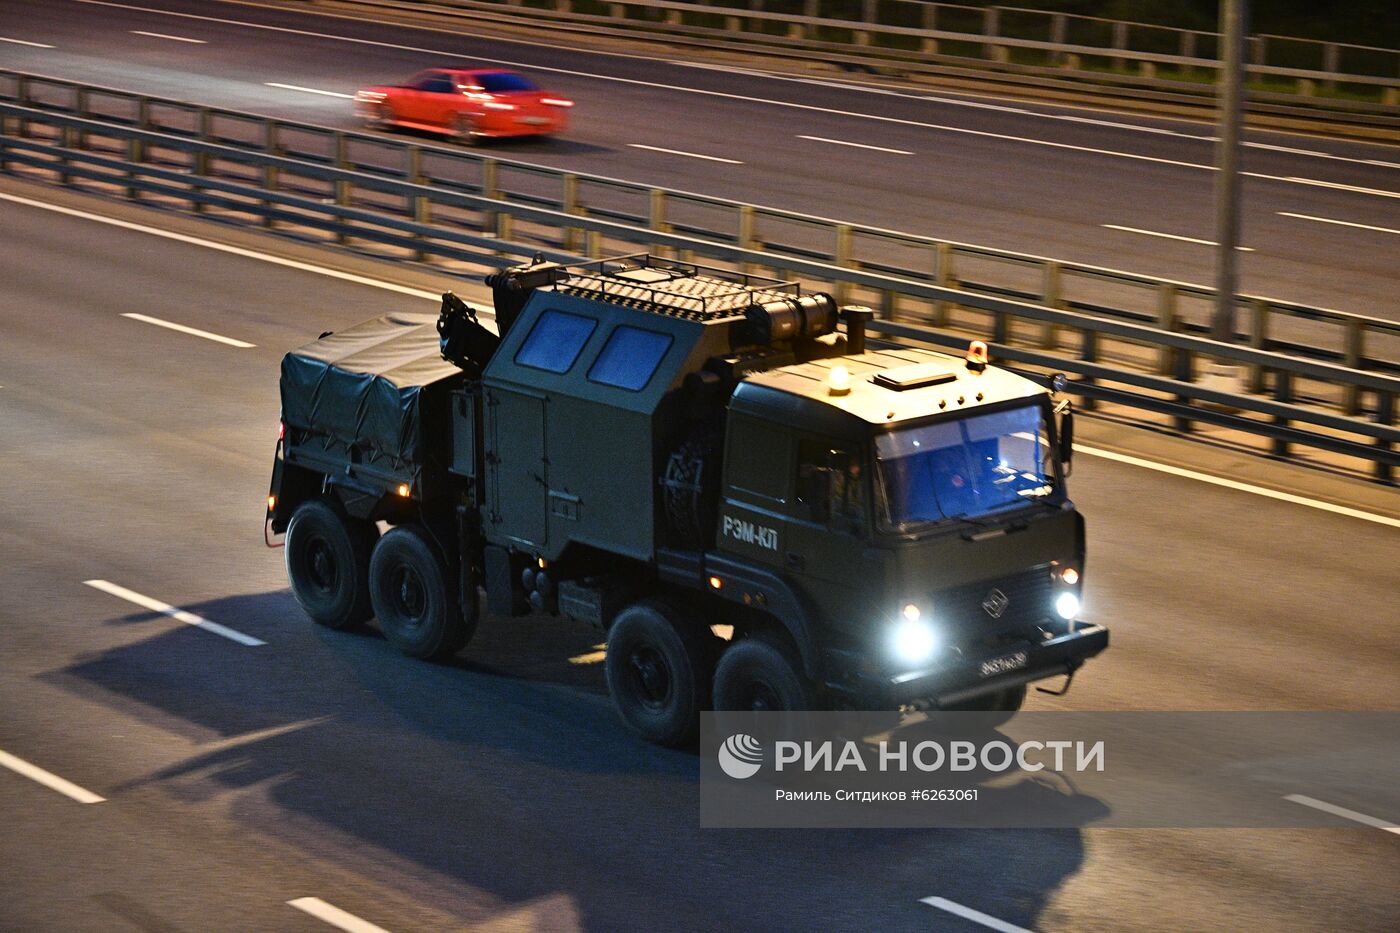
[[467, 104]]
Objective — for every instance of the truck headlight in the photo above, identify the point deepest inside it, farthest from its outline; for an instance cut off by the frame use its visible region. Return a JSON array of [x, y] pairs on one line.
[[913, 641], [1067, 606]]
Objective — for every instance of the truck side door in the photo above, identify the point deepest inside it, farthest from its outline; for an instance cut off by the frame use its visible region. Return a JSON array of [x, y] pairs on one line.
[[517, 471], [757, 489]]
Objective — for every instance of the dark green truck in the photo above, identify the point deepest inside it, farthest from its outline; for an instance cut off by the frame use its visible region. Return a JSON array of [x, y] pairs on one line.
[[758, 508]]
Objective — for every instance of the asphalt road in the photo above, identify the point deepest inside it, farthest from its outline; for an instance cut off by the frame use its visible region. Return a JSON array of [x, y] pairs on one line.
[[1320, 217], [500, 791]]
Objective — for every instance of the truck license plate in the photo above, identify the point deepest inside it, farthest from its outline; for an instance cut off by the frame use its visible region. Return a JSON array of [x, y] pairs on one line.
[[1007, 662]]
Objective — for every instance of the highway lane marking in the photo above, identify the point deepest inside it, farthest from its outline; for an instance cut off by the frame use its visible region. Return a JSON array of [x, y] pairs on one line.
[[1241, 487], [741, 97], [193, 331], [161, 35], [1340, 223], [310, 90], [48, 779], [1173, 236], [1343, 812], [334, 915], [976, 916], [225, 248], [842, 142], [1338, 186], [37, 45], [179, 615], [693, 155]]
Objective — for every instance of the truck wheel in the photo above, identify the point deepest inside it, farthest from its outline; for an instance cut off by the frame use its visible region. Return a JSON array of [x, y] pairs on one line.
[[658, 670], [758, 674], [408, 584], [328, 564], [999, 706]]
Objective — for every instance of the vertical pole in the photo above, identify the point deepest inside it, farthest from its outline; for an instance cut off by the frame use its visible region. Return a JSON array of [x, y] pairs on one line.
[[1233, 15]]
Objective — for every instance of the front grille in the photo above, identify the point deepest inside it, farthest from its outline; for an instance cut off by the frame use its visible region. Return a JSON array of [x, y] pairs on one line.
[[1025, 598]]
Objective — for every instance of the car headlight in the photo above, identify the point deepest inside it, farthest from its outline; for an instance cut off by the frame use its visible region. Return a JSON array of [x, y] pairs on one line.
[[1067, 606], [913, 641]]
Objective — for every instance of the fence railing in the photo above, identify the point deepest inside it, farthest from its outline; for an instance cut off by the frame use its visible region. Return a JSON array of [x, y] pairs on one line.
[[930, 37], [1356, 341], [1304, 402]]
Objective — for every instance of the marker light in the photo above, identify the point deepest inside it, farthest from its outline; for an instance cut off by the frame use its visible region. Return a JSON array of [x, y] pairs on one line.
[[838, 381], [716, 583], [404, 490], [913, 641], [912, 612], [976, 356], [556, 102], [1067, 606], [271, 503], [1070, 576]]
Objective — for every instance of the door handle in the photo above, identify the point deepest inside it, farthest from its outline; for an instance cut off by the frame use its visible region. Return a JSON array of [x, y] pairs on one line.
[[794, 561]]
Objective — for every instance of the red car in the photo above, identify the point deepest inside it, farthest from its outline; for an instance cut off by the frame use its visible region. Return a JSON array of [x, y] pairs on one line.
[[468, 104]]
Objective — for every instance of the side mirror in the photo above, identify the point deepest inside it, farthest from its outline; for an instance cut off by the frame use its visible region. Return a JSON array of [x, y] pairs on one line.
[[1066, 435]]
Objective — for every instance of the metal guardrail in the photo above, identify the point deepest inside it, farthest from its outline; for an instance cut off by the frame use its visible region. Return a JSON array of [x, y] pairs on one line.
[[1356, 341], [1115, 360], [931, 37]]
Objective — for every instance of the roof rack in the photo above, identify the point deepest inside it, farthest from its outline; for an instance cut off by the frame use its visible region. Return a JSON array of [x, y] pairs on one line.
[[679, 289]]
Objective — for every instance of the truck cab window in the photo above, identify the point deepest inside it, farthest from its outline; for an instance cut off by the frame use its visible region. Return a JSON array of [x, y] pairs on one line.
[[555, 341], [629, 358], [830, 485]]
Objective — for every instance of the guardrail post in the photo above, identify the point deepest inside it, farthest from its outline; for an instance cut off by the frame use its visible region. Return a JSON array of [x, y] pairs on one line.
[[593, 244], [1057, 36], [745, 237], [1187, 48], [1167, 320], [1283, 392], [929, 20], [1089, 353], [66, 138], [1258, 339], [570, 205], [1052, 276], [271, 146], [1385, 416], [342, 199], [1355, 356], [945, 276], [656, 215], [413, 174], [490, 188], [80, 107], [422, 214], [143, 113], [340, 151], [1185, 372], [135, 154], [505, 226], [1119, 42], [842, 255], [1330, 61], [991, 25]]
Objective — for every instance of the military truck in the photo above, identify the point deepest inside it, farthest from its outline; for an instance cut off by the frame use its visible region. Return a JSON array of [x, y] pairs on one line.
[[761, 508]]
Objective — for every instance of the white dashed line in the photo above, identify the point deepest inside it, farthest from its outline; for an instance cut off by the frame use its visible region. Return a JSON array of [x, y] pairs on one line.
[[1241, 487], [161, 35], [1173, 236], [310, 90], [1336, 186], [48, 779], [36, 45], [842, 142], [976, 916], [334, 915], [179, 615], [692, 155], [192, 331], [1340, 223], [1344, 813]]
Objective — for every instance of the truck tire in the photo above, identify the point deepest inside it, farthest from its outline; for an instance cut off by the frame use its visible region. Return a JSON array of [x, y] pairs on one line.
[[658, 667], [409, 586], [758, 673], [327, 558]]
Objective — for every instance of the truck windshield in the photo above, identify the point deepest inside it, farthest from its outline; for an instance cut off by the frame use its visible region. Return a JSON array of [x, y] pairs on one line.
[[963, 468]]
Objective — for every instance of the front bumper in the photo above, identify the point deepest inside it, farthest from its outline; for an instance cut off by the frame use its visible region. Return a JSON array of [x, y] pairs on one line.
[[965, 678]]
